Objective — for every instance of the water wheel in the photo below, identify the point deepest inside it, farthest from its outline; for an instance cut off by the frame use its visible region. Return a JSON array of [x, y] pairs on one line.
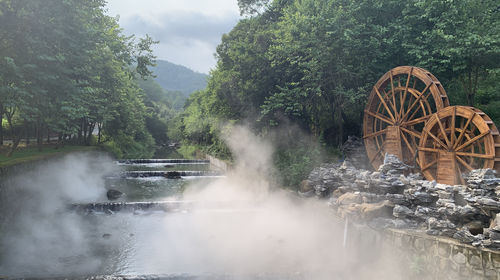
[[456, 140], [399, 105]]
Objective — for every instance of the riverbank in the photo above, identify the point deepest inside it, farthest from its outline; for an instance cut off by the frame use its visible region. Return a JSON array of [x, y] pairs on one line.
[[31, 153]]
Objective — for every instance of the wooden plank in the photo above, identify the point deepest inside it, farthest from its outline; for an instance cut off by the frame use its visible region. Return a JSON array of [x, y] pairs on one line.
[[393, 141], [446, 168]]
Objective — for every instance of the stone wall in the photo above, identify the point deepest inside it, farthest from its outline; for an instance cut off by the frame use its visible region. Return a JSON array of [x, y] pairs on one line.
[[444, 258]]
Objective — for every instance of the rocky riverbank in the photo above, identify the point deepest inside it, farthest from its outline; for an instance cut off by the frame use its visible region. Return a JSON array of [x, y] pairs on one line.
[[392, 197]]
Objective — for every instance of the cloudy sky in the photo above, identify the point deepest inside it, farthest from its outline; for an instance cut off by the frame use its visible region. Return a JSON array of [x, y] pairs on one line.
[[188, 30]]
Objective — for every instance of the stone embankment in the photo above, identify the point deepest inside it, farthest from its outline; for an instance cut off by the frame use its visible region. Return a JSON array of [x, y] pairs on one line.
[[393, 198]]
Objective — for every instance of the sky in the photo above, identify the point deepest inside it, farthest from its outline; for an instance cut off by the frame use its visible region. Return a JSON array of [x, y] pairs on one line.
[[188, 30]]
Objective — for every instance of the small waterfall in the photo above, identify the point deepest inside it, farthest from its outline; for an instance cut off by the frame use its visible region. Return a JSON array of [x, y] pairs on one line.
[[169, 174], [178, 161]]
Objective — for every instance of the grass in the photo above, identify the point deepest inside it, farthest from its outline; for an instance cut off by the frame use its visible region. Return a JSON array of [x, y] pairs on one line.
[[31, 153]]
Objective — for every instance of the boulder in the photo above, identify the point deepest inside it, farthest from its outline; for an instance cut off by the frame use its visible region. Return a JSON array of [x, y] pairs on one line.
[[349, 198], [393, 166], [465, 236], [401, 211], [173, 175], [114, 194], [354, 150], [374, 210]]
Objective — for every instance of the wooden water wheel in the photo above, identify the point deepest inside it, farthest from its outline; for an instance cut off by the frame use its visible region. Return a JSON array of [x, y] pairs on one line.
[[456, 140], [399, 105]]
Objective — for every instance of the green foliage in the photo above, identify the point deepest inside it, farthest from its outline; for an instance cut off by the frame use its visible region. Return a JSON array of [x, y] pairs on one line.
[[312, 64], [188, 151], [65, 67], [295, 163], [32, 153]]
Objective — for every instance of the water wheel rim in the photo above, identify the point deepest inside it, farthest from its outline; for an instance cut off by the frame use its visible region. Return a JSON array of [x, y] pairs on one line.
[[394, 108], [465, 135]]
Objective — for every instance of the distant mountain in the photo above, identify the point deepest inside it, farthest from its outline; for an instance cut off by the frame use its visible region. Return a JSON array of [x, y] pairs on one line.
[[173, 77]]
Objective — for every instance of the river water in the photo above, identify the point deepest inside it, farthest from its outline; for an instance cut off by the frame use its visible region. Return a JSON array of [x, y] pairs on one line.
[[221, 227]]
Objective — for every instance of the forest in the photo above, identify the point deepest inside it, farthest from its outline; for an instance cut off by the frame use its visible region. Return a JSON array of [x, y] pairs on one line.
[[296, 71], [68, 72], [310, 65]]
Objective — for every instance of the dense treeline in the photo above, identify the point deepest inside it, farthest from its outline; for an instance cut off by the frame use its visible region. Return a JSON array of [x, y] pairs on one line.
[[312, 64], [67, 70]]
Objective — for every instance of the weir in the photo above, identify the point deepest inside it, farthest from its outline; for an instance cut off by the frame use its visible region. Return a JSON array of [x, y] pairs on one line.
[[170, 174], [176, 161], [172, 206]]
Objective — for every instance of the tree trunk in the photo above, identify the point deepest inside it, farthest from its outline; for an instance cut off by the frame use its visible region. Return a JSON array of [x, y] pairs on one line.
[[48, 135], [99, 127], [39, 135], [1, 126], [27, 132], [15, 143], [89, 136]]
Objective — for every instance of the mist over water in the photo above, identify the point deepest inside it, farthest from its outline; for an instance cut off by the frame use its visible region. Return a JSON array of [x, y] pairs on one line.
[[241, 225]]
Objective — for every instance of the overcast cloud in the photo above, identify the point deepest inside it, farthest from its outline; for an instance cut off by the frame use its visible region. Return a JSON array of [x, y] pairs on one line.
[[188, 30]]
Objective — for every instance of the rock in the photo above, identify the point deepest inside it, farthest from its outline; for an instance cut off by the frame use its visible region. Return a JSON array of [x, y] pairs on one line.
[[354, 150], [474, 227], [434, 223], [495, 223], [306, 194], [400, 211], [423, 212], [423, 198], [393, 166], [489, 204], [173, 175], [106, 236], [465, 236], [373, 210], [494, 235], [349, 198], [114, 194], [306, 186]]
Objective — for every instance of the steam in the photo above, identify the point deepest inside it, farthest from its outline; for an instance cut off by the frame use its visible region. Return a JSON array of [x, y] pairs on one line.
[[269, 230], [241, 225], [38, 235]]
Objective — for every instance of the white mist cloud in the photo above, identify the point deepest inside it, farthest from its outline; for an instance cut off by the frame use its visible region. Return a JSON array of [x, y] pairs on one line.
[[39, 236]]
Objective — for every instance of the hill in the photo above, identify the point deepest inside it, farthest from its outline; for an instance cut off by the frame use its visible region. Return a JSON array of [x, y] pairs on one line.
[[173, 77]]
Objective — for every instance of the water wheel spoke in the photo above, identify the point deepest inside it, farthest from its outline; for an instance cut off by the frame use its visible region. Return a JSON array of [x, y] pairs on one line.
[[464, 128], [418, 120], [466, 144], [411, 132], [412, 151], [380, 117], [417, 101], [402, 112], [377, 153], [425, 149], [387, 98], [429, 165], [376, 133], [464, 163], [437, 140], [475, 155], [441, 128], [385, 104], [452, 128], [393, 93]]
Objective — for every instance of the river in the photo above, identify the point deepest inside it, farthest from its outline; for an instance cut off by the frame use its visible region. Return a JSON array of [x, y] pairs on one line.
[[236, 226]]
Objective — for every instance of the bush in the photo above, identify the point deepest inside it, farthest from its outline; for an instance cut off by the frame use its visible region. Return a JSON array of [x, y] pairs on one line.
[[188, 151], [293, 163]]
